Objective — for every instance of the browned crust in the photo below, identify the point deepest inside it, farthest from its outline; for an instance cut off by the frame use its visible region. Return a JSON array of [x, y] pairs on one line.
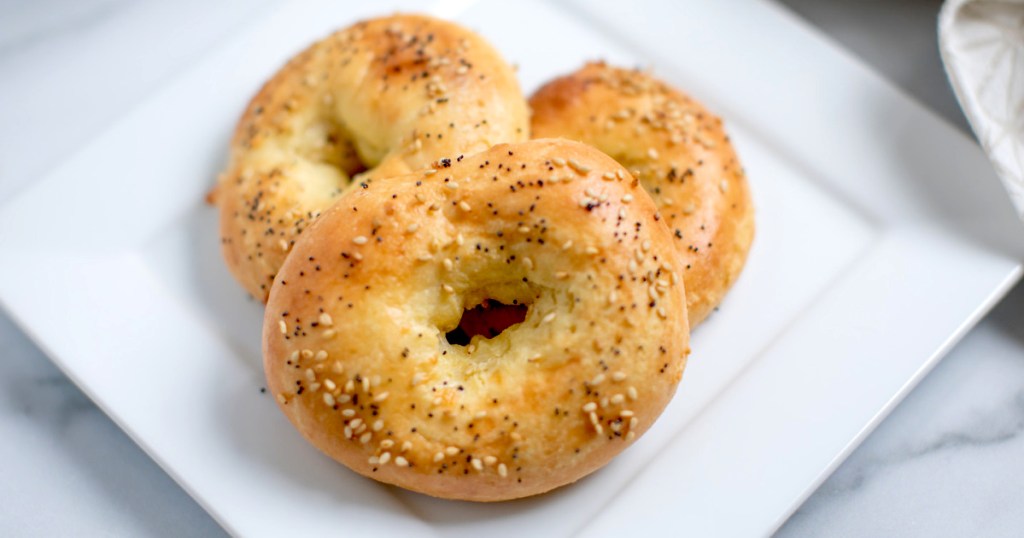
[[391, 94], [693, 172], [370, 289]]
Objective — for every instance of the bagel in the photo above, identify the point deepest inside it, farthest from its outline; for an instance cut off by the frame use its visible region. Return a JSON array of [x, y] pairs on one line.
[[355, 332], [680, 153], [381, 98]]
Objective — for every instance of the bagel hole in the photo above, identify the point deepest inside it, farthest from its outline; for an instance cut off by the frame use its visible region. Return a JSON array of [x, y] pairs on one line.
[[488, 319]]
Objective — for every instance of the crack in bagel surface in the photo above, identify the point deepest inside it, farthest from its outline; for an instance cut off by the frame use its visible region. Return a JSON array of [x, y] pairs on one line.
[[355, 335]]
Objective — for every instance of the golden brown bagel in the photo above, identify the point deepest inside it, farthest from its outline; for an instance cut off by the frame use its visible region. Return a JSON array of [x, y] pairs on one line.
[[354, 335], [681, 155], [383, 97]]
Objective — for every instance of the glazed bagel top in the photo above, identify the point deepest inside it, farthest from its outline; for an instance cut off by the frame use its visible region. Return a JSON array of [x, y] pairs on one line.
[[355, 346], [383, 97], [682, 156]]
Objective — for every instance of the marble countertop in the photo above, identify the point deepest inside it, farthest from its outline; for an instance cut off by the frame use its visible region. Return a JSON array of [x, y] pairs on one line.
[[946, 462]]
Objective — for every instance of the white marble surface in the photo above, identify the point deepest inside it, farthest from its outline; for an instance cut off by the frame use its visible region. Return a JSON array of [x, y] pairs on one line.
[[946, 462]]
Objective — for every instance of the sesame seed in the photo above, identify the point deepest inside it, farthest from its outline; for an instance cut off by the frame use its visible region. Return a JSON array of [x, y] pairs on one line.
[[381, 397], [344, 398], [590, 250], [417, 378], [608, 176], [313, 387], [477, 464], [575, 165], [548, 318], [618, 376], [528, 263], [591, 193], [490, 460], [347, 432], [723, 185], [662, 313], [630, 436], [366, 384], [365, 438], [310, 374], [295, 355], [598, 379], [413, 227], [307, 353], [633, 422], [481, 414], [401, 462], [652, 153], [516, 436], [451, 451], [604, 402], [358, 256], [284, 245], [613, 296], [281, 399], [438, 457], [387, 443], [620, 174], [653, 293], [325, 319], [593, 418], [350, 386], [646, 245], [429, 172], [329, 333], [385, 458], [330, 384], [328, 399], [447, 263], [561, 275], [502, 470], [626, 413], [378, 425], [617, 399], [463, 205], [558, 161], [406, 446], [360, 240], [373, 460], [355, 423], [348, 413], [689, 208], [448, 289], [320, 355], [524, 229], [425, 257], [627, 198], [567, 245], [283, 326], [459, 240], [589, 407], [631, 391]]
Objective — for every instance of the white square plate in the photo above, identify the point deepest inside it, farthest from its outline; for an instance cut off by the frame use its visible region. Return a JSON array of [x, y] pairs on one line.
[[882, 237]]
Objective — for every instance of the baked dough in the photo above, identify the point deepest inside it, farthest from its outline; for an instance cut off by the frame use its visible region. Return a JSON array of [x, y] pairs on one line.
[[355, 346], [682, 156], [383, 97]]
